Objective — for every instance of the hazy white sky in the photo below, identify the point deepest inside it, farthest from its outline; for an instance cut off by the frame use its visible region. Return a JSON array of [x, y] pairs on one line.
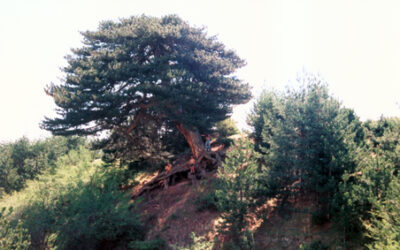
[[353, 44]]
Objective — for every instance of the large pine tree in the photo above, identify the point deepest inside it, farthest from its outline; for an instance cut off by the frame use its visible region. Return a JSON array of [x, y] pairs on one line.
[[147, 68]]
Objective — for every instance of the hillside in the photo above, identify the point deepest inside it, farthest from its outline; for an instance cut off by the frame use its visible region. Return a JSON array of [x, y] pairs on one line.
[[174, 215], [82, 202], [186, 216]]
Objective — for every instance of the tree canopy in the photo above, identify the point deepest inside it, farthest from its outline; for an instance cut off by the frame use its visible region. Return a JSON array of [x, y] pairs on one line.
[[307, 138], [146, 68]]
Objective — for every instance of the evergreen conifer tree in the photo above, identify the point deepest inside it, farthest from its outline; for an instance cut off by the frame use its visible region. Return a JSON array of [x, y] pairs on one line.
[[366, 202], [235, 191], [384, 226], [307, 138], [267, 112], [146, 68]]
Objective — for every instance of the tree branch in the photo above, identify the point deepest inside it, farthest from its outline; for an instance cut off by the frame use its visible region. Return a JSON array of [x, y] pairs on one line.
[[135, 122]]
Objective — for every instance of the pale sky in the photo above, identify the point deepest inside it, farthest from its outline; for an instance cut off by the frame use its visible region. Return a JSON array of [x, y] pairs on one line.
[[353, 44]]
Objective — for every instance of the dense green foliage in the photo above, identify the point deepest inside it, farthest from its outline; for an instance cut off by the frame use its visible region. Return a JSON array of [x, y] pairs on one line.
[[151, 85], [146, 144], [226, 128], [306, 138], [367, 198], [77, 205], [384, 226], [235, 192], [312, 145], [266, 114], [198, 243], [12, 237], [24, 160], [223, 130], [149, 73]]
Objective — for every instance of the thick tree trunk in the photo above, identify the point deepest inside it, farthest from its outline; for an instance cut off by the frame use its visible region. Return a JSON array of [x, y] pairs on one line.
[[193, 138]]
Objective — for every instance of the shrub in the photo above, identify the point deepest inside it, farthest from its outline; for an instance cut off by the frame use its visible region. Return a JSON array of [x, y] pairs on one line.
[[227, 142], [24, 160], [77, 206], [206, 201], [319, 217], [315, 245], [198, 243], [226, 128], [156, 244], [235, 191], [12, 236], [96, 216]]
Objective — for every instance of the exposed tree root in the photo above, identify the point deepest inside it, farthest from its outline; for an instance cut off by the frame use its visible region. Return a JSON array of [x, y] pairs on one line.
[[206, 162]]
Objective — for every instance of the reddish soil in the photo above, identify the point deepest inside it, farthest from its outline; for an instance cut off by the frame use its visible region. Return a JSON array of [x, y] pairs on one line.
[[173, 215], [292, 227]]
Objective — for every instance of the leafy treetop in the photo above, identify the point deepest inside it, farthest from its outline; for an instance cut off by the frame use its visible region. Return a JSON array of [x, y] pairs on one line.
[[142, 68]]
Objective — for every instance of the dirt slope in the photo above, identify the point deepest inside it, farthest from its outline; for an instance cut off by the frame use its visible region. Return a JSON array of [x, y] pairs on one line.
[[172, 213], [291, 226]]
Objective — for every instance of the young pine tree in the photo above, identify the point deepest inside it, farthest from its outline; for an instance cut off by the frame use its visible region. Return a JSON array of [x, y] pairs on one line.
[[307, 138], [265, 116], [384, 226], [235, 192]]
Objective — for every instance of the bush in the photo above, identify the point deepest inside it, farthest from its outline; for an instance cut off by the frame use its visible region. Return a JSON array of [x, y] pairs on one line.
[[156, 244], [24, 160], [198, 243], [319, 217], [315, 245], [235, 191], [206, 201], [246, 241], [12, 236], [78, 206], [383, 228], [96, 216], [227, 142], [226, 128]]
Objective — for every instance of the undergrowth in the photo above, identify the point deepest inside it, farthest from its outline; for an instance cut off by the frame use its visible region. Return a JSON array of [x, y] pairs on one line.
[[77, 205]]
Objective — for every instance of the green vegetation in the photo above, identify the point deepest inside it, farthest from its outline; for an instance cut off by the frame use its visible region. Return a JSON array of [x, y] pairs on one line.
[[224, 129], [312, 145], [315, 245], [235, 192], [369, 196], [155, 85], [206, 200], [198, 243], [144, 76], [305, 137], [24, 160], [77, 204], [12, 236]]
